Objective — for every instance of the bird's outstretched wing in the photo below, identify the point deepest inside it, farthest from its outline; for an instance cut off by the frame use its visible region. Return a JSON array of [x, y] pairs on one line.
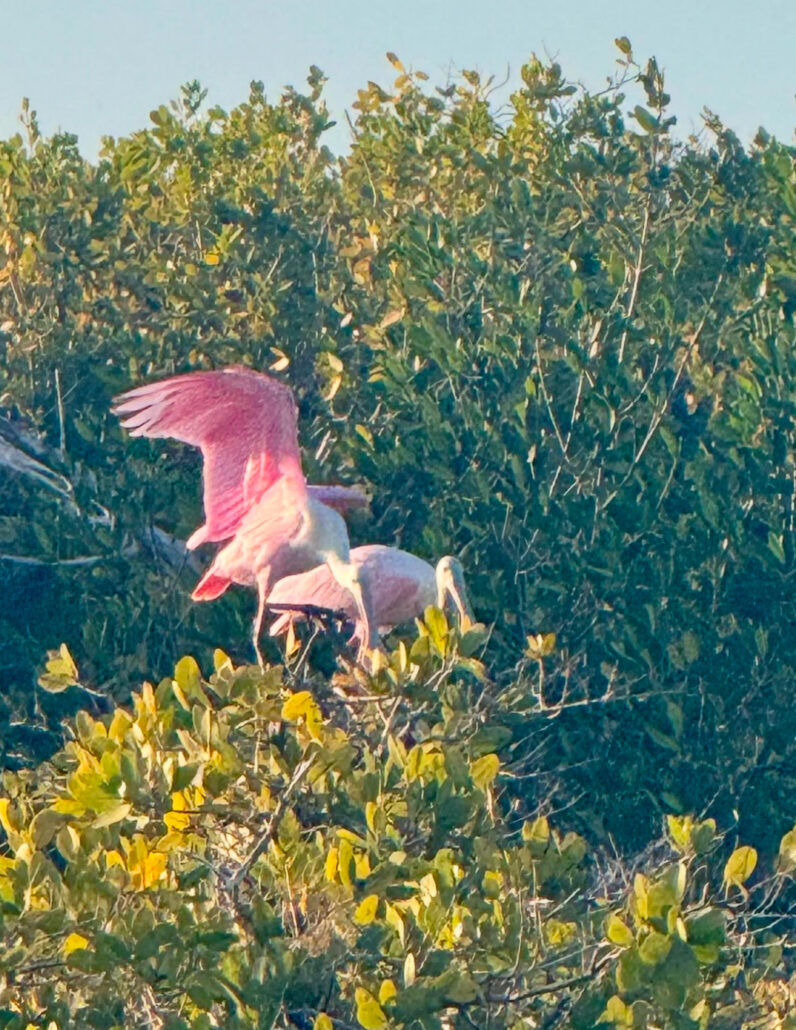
[[243, 421]]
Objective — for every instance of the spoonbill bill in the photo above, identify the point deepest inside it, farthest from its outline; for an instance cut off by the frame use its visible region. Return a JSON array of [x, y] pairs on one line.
[[255, 495], [401, 586]]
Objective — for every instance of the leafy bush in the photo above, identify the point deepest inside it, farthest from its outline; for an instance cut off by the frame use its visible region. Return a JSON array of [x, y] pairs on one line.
[[260, 849], [564, 334]]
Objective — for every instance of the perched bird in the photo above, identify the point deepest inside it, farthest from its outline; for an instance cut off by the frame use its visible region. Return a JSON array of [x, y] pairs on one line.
[[401, 586], [255, 495]]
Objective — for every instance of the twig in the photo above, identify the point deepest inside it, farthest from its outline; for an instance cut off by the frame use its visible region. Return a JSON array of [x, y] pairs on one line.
[[270, 831], [388, 720], [307, 609], [657, 418], [636, 278], [557, 985], [548, 403], [61, 418], [15, 458], [21, 559]]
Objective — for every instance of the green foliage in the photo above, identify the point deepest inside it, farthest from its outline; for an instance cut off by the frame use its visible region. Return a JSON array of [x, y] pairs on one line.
[[564, 335], [251, 850]]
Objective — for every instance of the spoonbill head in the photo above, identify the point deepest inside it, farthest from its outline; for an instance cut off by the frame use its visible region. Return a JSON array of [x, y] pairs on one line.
[[451, 588]]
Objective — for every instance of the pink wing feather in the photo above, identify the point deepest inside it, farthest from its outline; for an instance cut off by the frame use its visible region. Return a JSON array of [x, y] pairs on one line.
[[243, 422]]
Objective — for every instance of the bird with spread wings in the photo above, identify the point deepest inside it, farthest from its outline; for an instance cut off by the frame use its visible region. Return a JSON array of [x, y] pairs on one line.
[[256, 499]]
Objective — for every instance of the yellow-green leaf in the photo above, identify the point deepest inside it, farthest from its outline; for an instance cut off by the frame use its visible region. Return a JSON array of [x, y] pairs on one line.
[[366, 910], [616, 1012], [369, 1013], [655, 947], [786, 860], [297, 705], [680, 830], [67, 841], [365, 433], [61, 671], [62, 664], [222, 660], [540, 645], [703, 835], [618, 931], [484, 770], [391, 318], [45, 825], [74, 942], [331, 864], [387, 991], [536, 831], [393, 918], [345, 857], [437, 626], [740, 866], [186, 675], [113, 815]]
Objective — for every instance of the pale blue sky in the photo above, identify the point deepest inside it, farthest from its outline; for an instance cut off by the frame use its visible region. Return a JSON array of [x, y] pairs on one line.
[[98, 67]]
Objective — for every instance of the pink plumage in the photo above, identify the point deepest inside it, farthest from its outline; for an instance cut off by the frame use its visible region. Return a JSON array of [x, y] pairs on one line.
[[255, 495], [401, 586], [245, 425]]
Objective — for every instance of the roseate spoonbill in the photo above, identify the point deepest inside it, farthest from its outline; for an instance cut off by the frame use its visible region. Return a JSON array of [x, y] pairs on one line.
[[401, 587], [255, 496]]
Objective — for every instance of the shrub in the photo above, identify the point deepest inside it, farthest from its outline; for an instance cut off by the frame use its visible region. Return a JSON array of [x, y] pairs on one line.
[[261, 849]]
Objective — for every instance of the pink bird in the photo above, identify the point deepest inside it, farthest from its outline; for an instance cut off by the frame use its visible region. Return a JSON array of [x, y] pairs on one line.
[[401, 587], [255, 494]]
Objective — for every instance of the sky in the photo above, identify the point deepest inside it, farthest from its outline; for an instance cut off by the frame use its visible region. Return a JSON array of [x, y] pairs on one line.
[[97, 67]]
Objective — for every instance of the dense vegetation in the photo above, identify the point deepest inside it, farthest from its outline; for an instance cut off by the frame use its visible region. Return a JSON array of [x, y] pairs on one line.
[[554, 340], [258, 851]]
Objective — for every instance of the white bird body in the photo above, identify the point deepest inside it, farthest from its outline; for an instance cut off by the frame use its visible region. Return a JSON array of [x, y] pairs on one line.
[[399, 584]]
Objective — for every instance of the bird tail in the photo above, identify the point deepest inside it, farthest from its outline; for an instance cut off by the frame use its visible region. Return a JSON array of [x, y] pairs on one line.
[[210, 586]]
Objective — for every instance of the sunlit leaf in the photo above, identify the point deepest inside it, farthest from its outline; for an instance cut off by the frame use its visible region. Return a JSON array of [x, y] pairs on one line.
[[618, 931], [370, 1014], [484, 771], [740, 866], [73, 942], [366, 910]]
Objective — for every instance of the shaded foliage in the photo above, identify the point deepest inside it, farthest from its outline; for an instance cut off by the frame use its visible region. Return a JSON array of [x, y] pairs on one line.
[[564, 335]]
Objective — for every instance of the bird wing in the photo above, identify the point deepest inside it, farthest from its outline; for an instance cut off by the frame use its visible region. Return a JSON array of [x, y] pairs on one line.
[[401, 584], [243, 422]]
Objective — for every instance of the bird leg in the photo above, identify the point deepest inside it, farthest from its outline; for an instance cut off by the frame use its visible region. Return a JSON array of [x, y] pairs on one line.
[[369, 637], [264, 584]]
